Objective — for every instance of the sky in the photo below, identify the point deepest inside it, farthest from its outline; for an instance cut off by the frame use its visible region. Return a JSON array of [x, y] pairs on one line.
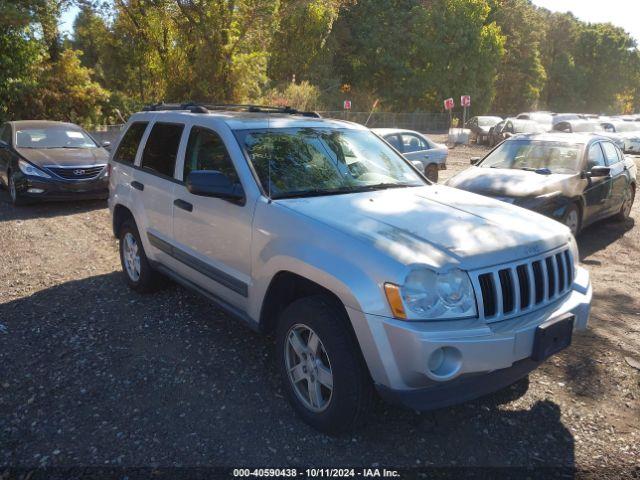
[[623, 13]]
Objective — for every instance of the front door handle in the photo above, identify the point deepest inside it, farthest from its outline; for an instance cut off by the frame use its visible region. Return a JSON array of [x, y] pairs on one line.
[[183, 205], [137, 185]]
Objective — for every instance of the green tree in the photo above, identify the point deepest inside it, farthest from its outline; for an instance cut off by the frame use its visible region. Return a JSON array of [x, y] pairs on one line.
[[604, 57], [521, 75]]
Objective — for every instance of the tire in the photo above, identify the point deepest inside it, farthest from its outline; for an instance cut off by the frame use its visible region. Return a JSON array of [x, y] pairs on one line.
[[138, 273], [346, 404], [431, 172], [625, 209], [572, 219], [14, 195]]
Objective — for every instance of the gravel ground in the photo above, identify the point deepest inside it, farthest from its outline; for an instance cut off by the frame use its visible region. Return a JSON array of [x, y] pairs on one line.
[[94, 374]]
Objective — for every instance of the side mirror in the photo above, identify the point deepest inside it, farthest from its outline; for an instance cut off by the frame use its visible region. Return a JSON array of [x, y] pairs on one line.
[[210, 183], [106, 145], [3, 145], [474, 160], [599, 172]]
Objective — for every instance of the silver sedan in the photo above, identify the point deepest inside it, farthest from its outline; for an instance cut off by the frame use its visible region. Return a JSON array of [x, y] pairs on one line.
[[417, 147]]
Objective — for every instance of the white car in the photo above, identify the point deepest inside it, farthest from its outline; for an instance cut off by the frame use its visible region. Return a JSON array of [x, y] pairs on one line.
[[416, 147], [629, 132], [370, 277]]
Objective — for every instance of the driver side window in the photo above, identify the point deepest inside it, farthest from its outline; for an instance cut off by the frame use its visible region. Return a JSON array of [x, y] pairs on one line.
[[596, 157], [206, 151]]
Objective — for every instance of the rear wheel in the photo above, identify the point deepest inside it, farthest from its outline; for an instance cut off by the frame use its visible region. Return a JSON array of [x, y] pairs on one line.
[[431, 172], [572, 219], [323, 374], [139, 274], [625, 210]]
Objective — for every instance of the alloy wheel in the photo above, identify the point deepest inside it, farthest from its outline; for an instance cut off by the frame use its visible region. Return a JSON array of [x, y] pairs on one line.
[[308, 367], [131, 256]]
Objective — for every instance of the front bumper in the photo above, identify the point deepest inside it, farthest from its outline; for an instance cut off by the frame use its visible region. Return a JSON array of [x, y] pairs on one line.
[[485, 357], [57, 189]]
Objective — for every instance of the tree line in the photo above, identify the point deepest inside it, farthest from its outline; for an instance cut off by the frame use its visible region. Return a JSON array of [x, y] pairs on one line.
[[509, 55]]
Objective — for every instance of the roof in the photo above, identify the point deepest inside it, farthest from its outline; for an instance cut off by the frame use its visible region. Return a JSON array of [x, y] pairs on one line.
[[254, 120]]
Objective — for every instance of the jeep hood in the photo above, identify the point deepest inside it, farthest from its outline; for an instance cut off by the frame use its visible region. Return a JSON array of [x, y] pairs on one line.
[[64, 157], [509, 182], [436, 225]]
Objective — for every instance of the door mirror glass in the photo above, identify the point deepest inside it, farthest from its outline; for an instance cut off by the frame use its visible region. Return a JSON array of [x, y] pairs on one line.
[[3, 144], [106, 145], [599, 172], [210, 183], [474, 160]]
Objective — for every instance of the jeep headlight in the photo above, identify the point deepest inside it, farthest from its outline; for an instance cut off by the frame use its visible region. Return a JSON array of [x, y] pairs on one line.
[[430, 295]]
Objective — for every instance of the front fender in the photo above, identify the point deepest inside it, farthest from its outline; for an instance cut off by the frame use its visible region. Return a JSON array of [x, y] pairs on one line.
[[350, 268]]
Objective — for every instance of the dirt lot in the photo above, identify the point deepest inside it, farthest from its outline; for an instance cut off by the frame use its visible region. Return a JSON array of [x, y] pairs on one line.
[[93, 374]]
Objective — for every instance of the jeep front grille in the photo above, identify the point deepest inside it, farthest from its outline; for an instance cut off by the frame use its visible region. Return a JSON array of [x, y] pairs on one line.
[[508, 290]]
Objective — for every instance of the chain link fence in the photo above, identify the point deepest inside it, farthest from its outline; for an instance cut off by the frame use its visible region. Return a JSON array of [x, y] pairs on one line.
[[421, 122]]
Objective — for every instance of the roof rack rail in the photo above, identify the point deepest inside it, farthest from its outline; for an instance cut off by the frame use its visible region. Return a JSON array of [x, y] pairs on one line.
[[206, 108]]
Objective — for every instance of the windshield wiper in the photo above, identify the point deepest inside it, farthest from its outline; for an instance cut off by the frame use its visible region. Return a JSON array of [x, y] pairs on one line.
[[382, 186], [540, 171], [339, 191], [311, 193]]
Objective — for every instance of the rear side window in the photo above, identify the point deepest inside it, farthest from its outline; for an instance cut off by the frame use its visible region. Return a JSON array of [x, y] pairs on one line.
[[128, 147], [161, 150], [611, 152], [206, 151]]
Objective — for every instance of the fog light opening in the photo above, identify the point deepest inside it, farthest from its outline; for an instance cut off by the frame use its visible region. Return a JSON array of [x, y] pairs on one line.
[[444, 362], [35, 190]]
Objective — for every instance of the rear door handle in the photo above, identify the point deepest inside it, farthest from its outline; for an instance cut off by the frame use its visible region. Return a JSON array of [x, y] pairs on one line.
[[183, 205], [137, 185]]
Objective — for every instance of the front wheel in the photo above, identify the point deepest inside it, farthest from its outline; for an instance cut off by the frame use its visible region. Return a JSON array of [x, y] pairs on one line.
[[431, 172], [16, 198], [323, 374], [572, 219]]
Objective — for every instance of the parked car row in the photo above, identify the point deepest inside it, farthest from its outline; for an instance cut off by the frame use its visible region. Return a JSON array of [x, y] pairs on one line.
[[623, 130]]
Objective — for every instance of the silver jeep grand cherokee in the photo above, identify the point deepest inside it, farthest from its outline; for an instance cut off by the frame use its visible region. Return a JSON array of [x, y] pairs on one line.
[[370, 277]]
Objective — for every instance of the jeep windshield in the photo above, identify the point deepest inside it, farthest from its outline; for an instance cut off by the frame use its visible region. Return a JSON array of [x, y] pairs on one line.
[[539, 156], [303, 162]]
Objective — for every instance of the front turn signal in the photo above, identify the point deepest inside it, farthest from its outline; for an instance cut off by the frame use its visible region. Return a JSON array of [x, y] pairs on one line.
[[395, 300]]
